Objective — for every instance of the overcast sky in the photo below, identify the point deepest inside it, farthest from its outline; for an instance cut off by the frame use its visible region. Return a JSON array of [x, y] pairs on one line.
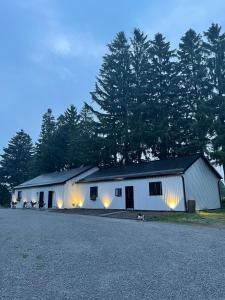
[[51, 50]]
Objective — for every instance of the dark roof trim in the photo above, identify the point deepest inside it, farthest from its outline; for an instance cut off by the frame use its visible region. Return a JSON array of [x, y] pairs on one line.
[[173, 172], [208, 163], [136, 176], [21, 187], [18, 187]]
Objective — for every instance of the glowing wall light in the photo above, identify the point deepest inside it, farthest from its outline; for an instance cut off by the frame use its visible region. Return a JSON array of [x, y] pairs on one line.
[[77, 199], [106, 201], [77, 203], [59, 203], [172, 201]]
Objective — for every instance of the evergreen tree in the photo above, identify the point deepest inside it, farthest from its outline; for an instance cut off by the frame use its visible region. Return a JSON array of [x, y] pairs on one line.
[[140, 129], [67, 139], [90, 142], [16, 162], [46, 151], [194, 92], [5, 196], [112, 94], [163, 94], [215, 49]]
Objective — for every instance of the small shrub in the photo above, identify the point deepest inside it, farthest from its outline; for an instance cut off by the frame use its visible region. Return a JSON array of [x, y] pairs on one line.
[[5, 196], [223, 202]]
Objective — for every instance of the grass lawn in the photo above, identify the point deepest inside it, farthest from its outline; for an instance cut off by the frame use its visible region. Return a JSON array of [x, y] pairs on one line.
[[212, 217]]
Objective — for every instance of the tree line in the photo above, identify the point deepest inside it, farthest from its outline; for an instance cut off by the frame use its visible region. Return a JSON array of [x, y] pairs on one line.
[[150, 101]]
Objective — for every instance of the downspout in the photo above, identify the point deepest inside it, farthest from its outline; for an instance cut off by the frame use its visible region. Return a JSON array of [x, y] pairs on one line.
[[220, 193], [184, 192]]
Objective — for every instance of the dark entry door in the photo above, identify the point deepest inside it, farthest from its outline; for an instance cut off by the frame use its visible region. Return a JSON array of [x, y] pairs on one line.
[[50, 197], [129, 192], [41, 199]]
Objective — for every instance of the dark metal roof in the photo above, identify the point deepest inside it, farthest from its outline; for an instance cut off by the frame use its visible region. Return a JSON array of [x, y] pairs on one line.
[[148, 169], [53, 178]]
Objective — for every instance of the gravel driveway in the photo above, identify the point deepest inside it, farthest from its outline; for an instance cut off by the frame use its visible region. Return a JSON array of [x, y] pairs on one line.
[[47, 255]]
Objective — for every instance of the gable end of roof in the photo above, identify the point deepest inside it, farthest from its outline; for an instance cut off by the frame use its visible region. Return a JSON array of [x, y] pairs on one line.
[[208, 164]]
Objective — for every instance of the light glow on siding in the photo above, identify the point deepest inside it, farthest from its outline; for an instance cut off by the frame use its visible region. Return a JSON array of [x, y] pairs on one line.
[[172, 200], [59, 203], [77, 199], [106, 201], [77, 203]]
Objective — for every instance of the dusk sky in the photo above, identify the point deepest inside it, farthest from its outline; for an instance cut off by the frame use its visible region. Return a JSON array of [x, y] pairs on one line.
[[51, 50]]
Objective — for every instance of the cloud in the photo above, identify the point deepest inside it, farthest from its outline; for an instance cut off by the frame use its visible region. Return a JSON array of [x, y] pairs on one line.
[[59, 49], [61, 45], [67, 45], [56, 53], [181, 15], [56, 38]]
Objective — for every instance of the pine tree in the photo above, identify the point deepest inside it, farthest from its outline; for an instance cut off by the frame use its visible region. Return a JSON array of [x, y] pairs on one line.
[[90, 142], [163, 93], [215, 49], [140, 65], [46, 151], [16, 162], [67, 139], [194, 92], [112, 94]]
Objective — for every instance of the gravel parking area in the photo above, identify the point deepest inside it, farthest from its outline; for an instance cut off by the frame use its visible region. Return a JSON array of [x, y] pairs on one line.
[[47, 255]]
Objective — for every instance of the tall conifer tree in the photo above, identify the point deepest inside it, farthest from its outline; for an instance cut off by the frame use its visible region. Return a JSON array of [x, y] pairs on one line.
[[67, 138], [16, 163], [141, 105], [215, 49], [194, 93], [90, 146], [163, 93], [112, 94], [45, 155]]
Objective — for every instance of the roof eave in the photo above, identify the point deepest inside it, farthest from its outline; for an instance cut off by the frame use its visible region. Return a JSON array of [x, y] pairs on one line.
[[121, 178], [19, 187], [51, 184]]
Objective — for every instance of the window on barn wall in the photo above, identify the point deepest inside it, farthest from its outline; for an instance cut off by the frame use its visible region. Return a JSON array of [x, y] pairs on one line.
[[155, 188], [19, 195], [93, 192], [118, 192]]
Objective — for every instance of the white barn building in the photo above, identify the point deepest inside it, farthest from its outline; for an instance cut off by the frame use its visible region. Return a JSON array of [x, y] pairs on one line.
[[160, 185]]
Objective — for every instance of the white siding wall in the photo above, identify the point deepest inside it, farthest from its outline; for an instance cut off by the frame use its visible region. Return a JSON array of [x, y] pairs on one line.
[[78, 195], [32, 194], [200, 183], [202, 186], [59, 195]]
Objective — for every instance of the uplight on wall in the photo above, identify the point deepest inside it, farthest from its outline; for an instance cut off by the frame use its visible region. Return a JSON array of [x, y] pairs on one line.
[[81, 203], [59, 203], [76, 199], [172, 201], [77, 203], [106, 201]]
